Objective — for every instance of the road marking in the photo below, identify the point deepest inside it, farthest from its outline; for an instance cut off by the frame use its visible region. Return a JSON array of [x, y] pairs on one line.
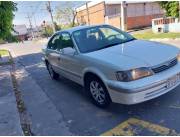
[[135, 126]]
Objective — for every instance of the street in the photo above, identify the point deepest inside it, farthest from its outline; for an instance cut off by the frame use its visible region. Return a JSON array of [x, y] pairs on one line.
[[79, 116]]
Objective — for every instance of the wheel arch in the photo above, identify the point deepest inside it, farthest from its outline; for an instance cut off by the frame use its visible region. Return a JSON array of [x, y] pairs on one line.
[[98, 74], [95, 72]]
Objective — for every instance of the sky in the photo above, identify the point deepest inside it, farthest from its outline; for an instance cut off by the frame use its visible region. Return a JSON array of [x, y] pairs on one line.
[[38, 12]]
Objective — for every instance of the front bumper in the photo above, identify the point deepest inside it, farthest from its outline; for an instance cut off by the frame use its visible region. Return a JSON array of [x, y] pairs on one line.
[[143, 89]]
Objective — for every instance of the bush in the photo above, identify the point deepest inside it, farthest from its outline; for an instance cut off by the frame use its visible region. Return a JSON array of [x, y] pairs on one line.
[[47, 31], [57, 27], [10, 38], [68, 26], [2, 41]]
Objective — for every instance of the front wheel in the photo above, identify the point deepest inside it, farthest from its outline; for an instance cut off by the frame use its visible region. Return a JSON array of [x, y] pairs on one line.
[[52, 73], [98, 92]]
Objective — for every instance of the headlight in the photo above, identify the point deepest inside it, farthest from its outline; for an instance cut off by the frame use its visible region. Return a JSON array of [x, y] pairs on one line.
[[178, 56], [133, 74]]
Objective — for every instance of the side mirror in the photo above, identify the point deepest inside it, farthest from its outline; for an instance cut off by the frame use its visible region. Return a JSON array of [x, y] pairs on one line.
[[70, 51]]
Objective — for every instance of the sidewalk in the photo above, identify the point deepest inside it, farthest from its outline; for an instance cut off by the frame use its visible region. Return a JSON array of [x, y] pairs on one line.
[[42, 114], [45, 119], [9, 116]]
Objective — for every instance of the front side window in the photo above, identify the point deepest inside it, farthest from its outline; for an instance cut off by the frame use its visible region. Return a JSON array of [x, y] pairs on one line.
[[66, 40], [60, 41], [54, 42], [96, 38], [67, 45]]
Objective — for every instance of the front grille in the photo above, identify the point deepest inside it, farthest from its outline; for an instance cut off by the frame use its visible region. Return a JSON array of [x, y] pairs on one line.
[[165, 66]]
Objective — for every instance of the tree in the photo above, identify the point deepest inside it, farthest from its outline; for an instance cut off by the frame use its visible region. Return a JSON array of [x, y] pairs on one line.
[[48, 31], [7, 9], [57, 27], [66, 15], [171, 7]]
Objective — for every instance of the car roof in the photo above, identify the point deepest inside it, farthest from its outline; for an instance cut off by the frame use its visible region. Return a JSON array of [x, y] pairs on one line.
[[71, 30]]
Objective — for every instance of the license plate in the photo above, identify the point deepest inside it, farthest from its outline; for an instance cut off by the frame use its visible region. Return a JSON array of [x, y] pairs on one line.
[[173, 81]]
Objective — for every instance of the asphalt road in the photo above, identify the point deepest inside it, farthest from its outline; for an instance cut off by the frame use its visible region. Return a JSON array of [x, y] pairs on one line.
[[160, 116]]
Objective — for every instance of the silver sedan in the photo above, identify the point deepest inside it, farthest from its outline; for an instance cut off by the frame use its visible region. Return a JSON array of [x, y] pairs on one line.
[[112, 65]]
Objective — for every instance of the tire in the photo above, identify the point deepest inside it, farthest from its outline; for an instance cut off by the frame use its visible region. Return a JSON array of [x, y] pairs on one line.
[[52, 73], [97, 92]]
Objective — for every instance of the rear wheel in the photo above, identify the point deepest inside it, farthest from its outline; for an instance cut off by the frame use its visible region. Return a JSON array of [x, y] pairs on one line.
[[52, 73], [98, 92]]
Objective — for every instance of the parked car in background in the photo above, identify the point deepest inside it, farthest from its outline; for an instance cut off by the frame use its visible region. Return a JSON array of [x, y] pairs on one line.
[[112, 65]]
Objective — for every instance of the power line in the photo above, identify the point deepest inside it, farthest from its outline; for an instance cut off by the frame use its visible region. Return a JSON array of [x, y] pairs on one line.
[[34, 12], [30, 24], [37, 7]]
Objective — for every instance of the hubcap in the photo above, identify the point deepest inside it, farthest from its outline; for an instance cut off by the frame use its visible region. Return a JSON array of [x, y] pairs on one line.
[[97, 91]]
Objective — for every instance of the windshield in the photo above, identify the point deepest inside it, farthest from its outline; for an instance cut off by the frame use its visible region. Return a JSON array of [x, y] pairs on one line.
[[100, 37]]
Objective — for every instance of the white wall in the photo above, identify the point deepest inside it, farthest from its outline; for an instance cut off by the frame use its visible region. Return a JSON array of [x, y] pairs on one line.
[[135, 9], [141, 9]]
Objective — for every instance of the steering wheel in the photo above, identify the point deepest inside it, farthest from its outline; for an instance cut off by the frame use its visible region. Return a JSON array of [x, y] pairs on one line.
[[112, 36]]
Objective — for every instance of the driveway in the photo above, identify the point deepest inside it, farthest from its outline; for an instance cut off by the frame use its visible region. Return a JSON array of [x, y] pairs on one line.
[[160, 116]]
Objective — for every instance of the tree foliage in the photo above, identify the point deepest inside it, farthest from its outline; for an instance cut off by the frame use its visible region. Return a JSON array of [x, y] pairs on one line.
[[66, 15], [57, 27], [7, 9], [171, 7], [47, 31]]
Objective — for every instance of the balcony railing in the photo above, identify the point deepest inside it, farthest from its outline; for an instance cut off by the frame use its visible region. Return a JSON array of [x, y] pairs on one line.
[[161, 21]]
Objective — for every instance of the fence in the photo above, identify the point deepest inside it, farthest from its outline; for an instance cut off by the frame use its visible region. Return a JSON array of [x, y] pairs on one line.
[[169, 24]]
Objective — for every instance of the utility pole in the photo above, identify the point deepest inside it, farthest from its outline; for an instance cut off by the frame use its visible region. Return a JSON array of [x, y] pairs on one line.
[[87, 10], [179, 10], [44, 25], [35, 21], [50, 12], [123, 16], [33, 14], [30, 24]]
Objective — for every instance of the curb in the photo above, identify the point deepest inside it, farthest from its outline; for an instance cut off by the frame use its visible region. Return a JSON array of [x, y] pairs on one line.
[[24, 123], [41, 120], [14, 112], [164, 39]]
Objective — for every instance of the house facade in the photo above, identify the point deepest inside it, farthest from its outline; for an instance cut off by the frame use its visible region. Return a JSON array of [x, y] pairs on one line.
[[133, 14], [20, 31]]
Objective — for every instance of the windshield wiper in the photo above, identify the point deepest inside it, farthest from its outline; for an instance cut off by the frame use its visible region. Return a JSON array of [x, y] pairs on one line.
[[110, 45], [130, 40]]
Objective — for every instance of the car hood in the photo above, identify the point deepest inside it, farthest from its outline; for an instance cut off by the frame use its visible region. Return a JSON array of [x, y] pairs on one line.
[[135, 54]]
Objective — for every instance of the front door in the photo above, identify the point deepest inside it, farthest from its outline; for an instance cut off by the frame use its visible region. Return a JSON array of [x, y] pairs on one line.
[[71, 66], [53, 53]]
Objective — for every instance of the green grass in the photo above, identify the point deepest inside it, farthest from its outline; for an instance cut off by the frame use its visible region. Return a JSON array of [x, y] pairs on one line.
[[4, 53], [151, 35]]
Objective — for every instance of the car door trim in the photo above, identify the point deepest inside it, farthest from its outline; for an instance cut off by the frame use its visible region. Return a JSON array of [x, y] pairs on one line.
[[74, 74]]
